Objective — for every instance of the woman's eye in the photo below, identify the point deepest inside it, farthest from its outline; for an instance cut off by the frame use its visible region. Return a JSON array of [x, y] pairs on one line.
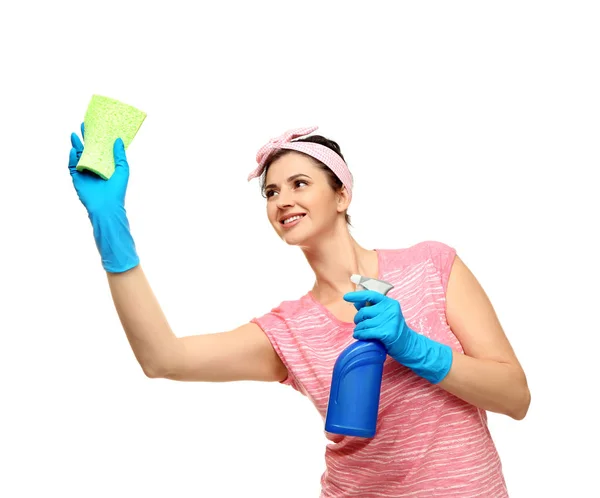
[[269, 193]]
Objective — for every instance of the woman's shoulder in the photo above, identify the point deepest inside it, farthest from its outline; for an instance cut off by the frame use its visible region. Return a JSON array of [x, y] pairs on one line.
[[438, 256], [419, 252], [288, 310]]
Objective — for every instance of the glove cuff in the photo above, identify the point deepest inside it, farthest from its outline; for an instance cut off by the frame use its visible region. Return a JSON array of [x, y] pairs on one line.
[[114, 241], [429, 359]]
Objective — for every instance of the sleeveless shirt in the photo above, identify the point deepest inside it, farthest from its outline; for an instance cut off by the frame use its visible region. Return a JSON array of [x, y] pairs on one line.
[[429, 443]]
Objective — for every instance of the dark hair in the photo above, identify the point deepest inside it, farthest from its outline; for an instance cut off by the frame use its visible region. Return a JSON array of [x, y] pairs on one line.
[[334, 182]]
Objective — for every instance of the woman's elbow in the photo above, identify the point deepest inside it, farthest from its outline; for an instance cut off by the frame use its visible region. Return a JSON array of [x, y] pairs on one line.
[[156, 369], [152, 371], [522, 402], [164, 365]]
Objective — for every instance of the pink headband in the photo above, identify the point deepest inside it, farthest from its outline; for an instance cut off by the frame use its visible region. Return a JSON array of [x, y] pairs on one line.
[[318, 151]]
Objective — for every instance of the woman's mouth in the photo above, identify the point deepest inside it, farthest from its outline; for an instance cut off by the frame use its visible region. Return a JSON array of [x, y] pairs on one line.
[[292, 221]]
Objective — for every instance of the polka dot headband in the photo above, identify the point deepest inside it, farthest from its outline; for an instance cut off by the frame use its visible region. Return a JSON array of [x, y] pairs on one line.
[[324, 154]]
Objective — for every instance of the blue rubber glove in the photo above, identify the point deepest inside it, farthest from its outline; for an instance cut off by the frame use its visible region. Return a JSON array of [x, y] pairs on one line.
[[383, 321], [104, 201]]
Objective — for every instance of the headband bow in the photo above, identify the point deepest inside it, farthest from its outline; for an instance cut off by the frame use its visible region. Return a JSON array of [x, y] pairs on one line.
[[276, 143]]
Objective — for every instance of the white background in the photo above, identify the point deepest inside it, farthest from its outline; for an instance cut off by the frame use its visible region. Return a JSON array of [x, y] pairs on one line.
[[472, 123]]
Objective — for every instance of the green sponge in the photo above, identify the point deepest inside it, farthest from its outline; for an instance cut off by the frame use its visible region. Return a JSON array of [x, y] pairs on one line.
[[106, 120]]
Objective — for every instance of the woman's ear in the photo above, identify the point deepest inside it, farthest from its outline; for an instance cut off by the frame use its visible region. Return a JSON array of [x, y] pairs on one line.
[[343, 200]]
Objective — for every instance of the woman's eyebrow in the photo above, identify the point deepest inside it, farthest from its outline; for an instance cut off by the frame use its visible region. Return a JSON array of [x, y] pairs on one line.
[[289, 180]]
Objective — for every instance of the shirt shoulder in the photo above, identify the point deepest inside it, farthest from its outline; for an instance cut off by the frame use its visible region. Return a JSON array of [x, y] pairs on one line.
[[281, 326], [439, 254]]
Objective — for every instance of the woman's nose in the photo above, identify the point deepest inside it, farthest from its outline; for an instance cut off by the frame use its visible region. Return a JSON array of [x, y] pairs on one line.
[[285, 198]]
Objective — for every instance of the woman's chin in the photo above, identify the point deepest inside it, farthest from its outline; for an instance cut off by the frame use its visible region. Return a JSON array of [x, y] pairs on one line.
[[302, 236], [303, 241], [292, 238]]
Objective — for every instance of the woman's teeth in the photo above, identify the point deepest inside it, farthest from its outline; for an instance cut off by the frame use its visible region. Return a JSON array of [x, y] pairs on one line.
[[289, 220]]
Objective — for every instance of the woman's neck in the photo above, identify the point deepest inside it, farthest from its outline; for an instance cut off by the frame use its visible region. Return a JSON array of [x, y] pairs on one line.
[[334, 261]]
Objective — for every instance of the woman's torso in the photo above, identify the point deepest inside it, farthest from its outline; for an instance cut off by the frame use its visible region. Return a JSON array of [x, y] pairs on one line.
[[428, 443]]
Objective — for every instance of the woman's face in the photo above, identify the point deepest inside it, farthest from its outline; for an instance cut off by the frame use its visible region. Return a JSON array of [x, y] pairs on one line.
[[295, 185]]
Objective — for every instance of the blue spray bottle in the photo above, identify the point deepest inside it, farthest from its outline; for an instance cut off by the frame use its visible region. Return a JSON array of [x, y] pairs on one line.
[[356, 380]]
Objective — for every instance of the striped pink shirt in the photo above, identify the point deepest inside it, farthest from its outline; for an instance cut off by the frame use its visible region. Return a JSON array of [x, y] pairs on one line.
[[429, 443]]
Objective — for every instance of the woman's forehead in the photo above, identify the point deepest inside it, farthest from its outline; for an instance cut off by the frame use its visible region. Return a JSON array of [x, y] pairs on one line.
[[291, 164]]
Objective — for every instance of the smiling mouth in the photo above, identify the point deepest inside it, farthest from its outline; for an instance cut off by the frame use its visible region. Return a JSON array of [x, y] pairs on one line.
[[293, 220]]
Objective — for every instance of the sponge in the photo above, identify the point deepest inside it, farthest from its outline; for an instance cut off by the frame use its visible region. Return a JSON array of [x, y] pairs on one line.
[[106, 120]]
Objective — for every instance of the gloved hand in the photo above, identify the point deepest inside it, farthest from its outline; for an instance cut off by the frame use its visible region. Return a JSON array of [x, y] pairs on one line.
[[383, 321], [104, 201]]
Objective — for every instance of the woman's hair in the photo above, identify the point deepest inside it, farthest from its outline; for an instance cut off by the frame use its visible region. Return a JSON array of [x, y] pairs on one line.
[[334, 182]]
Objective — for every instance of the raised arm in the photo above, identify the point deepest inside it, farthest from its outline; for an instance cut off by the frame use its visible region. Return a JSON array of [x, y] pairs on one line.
[[244, 353], [241, 354]]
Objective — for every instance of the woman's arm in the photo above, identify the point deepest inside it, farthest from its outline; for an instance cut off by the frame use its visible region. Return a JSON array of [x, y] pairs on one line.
[[244, 353], [149, 334], [489, 374]]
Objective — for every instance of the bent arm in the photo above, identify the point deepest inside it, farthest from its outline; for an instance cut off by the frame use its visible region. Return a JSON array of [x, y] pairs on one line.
[[149, 334], [244, 353], [489, 374]]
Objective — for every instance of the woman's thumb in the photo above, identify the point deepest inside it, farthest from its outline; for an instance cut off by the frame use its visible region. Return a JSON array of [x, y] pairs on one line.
[[119, 154]]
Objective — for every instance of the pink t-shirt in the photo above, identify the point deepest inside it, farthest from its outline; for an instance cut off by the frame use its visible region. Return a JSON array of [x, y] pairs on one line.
[[429, 443]]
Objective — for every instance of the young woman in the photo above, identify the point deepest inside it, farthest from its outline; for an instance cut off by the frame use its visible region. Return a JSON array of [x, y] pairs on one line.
[[448, 362]]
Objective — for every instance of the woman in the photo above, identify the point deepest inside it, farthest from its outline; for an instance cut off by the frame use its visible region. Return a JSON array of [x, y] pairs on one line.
[[449, 359]]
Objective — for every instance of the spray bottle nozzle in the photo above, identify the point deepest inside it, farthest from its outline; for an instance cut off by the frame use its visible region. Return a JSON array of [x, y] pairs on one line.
[[356, 279], [367, 283]]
